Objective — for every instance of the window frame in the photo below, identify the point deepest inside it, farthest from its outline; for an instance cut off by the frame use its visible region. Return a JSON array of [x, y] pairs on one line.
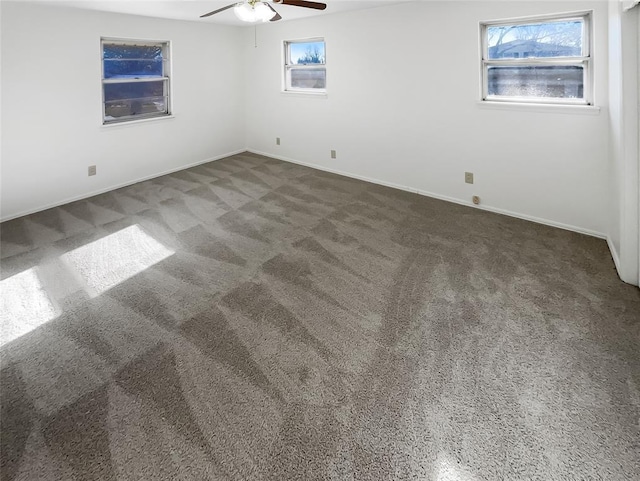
[[165, 78], [288, 66], [585, 61]]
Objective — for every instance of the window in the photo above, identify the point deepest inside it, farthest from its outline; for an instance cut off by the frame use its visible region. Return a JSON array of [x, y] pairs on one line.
[[135, 80], [305, 69], [544, 59]]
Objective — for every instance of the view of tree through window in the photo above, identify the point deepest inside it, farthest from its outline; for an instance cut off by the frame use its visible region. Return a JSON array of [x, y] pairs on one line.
[[135, 81], [543, 59], [307, 52], [305, 65]]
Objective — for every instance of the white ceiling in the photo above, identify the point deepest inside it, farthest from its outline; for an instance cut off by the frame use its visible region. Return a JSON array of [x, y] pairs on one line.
[[192, 9]]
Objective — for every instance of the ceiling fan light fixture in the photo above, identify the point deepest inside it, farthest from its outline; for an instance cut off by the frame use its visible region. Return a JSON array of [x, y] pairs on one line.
[[253, 12]]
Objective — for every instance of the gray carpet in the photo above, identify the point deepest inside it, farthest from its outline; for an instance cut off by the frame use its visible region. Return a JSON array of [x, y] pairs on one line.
[[253, 319]]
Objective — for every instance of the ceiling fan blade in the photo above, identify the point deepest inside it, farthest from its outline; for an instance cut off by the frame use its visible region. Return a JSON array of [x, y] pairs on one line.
[[218, 11], [303, 3], [276, 16]]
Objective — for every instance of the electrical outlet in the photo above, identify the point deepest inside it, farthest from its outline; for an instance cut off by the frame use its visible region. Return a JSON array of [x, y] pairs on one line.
[[468, 177], [277, 140], [333, 154], [475, 199], [92, 170]]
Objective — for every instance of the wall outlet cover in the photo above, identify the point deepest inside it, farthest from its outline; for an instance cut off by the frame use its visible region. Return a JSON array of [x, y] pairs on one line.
[[468, 177]]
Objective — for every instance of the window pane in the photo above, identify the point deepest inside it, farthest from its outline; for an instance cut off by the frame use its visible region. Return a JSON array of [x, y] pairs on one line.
[[135, 107], [148, 52], [548, 81], [309, 78], [145, 97], [132, 68], [133, 90], [303, 53], [551, 39], [122, 61]]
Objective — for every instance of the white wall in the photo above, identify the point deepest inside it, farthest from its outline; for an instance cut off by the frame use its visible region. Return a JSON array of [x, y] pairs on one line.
[[402, 108], [51, 104], [623, 176]]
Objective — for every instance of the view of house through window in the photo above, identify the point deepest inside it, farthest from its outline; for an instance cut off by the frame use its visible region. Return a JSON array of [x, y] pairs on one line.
[[135, 80], [544, 60], [305, 65]]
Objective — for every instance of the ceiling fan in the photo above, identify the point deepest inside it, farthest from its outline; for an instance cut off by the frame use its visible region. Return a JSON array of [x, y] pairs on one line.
[[262, 11]]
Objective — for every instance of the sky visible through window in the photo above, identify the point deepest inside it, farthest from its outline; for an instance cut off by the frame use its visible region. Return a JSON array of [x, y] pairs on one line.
[[307, 52]]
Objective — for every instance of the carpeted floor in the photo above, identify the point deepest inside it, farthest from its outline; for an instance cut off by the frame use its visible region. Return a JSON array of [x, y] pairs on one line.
[[253, 319]]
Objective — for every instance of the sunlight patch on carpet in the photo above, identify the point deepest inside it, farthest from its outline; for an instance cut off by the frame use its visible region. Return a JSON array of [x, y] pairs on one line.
[[25, 305], [115, 258], [451, 471]]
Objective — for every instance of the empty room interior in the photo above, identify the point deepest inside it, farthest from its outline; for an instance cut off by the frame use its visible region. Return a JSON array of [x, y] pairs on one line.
[[304, 240]]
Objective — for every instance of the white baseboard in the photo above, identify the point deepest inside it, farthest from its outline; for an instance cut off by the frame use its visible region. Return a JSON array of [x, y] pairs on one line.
[[495, 210], [624, 274], [614, 254], [118, 186]]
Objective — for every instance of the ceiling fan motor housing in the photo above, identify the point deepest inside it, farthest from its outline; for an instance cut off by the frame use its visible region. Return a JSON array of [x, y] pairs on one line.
[[261, 10]]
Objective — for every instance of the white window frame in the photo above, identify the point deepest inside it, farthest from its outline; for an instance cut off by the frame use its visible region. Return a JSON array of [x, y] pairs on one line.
[[288, 66], [166, 78], [585, 61]]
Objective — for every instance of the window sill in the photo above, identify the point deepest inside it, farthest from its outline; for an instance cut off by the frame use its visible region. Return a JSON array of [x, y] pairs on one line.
[[139, 121], [545, 108], [293, 93]]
